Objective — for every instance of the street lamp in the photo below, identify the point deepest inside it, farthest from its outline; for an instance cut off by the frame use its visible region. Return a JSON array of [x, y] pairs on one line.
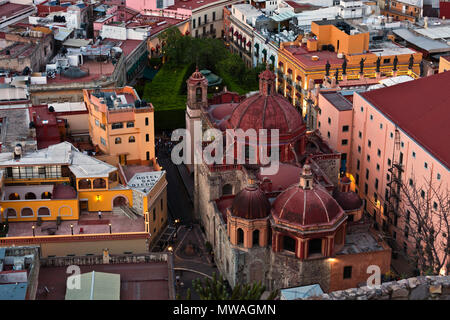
[[170, 249], [110, 229], [33, 231], [71, 228]]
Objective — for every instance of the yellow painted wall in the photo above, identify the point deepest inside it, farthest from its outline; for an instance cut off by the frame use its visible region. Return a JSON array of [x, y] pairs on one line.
[[136, 152], [105, 203], [67, 209]]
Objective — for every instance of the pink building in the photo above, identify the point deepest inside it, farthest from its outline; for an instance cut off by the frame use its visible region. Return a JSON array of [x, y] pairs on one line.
[[398, 132], [335, 122]]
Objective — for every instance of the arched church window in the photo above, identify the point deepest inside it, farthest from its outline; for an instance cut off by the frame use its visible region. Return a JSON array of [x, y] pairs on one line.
[[314, 246], [240, 236], [255, 237], [198, 94], [289, 244]]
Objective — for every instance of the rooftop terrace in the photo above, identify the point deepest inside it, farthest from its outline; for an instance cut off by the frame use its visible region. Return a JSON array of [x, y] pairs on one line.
[[88, 222]]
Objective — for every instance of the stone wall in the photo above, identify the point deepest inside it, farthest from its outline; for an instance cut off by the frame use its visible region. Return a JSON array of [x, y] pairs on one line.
[[418, 288]]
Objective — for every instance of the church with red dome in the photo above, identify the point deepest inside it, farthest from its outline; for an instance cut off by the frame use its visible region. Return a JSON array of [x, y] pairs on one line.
[[299, 226]]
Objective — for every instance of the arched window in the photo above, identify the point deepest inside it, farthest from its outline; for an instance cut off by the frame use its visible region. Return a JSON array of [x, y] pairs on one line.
[[314, 246], [240, 236], [30, 196], [11, 213], [289, 244], [84, 184], [14, 196], [99, 183], [255, 238], [118, 140], [43, 212], [198, 94], [46, 195], [27, 212], [131, 139], [227, 189]]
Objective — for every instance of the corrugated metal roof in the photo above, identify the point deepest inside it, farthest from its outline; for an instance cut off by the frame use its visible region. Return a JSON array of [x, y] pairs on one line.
[[435, 32], [63, 33], [96, 286], [422, 42]]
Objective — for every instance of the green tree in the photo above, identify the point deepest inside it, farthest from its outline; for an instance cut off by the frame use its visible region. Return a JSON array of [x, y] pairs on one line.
[[215, 289]]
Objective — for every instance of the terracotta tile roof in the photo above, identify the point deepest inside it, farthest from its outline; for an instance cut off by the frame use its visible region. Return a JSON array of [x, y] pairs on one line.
[[421, 108]]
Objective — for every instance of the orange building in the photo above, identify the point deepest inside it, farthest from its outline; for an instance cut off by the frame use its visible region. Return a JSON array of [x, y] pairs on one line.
[[401, 10], [335, 45], [121, 125]]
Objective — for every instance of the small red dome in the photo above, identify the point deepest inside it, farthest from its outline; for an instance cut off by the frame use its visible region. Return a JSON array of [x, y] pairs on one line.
[[250, 203], [348, 200], [306, 207], [197, 77]]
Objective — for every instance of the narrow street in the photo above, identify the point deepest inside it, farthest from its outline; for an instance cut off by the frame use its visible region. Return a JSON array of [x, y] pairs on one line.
[[191, 258]]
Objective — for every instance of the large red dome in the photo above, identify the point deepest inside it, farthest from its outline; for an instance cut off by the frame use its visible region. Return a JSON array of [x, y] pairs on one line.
[[250, 203], [267, 110], [306, 207]]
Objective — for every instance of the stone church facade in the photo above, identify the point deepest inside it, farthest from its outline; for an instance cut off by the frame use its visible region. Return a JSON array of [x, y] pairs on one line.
[[285, 229]]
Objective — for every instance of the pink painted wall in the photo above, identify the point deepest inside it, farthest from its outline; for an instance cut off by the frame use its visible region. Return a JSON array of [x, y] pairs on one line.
[[338, 120], [378, 130]]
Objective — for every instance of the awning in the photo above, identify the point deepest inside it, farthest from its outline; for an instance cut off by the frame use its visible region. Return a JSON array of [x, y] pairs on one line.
[[235, 33], [280, 63], [273, 59], [299, 78], [264, 51], [239, 37], [289, 70], [249, 44], [257, 45]]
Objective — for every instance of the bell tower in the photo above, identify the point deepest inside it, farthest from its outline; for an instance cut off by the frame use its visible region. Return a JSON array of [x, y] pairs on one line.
[[197, 98]]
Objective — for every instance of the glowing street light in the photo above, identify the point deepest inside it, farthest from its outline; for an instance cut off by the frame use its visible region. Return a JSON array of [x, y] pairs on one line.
[[71, 228], [110, 229], [33, 231], [170, 249]]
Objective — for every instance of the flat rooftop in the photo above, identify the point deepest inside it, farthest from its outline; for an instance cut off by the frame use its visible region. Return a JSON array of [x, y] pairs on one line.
[[138, 281], [338, 101], [15, 127], [88, 221], [358, 242]]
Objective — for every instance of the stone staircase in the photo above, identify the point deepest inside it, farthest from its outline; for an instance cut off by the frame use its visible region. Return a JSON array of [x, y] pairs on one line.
[[126, 211]]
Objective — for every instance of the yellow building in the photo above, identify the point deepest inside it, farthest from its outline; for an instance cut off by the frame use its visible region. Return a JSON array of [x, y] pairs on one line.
[[121, 125], [73, 204], [336, 45]]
